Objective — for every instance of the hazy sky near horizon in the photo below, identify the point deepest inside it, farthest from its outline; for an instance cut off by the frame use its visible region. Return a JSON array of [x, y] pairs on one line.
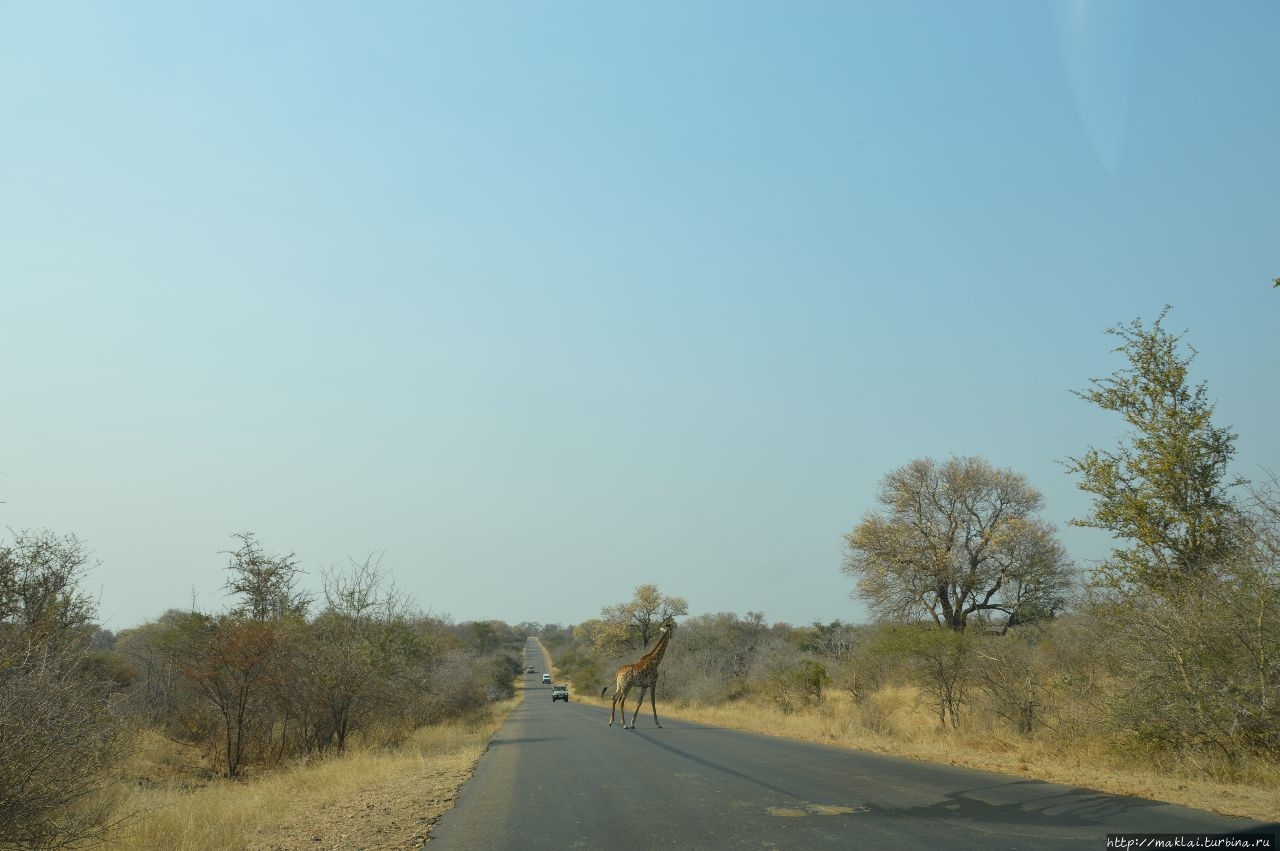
[[544, 301]]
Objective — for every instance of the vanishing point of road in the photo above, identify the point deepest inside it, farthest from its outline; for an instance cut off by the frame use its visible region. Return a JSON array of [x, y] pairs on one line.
[[556, 776]]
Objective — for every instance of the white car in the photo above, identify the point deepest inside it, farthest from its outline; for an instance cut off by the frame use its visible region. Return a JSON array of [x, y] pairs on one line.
[[546, 678]]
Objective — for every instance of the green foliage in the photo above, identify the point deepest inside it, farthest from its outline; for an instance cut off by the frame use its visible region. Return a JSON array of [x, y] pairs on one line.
[[865, 668], [799, 685], [1189, 610], [267, 584], [943, 663], [40, 576], [503, 669], [1165, 488]]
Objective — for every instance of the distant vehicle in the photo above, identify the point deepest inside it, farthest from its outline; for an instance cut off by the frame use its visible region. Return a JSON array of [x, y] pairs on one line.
[[546, 678], [559, 693], [529, 670]]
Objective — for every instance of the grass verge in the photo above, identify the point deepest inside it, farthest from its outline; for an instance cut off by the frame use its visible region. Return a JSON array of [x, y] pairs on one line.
[[366, 798]]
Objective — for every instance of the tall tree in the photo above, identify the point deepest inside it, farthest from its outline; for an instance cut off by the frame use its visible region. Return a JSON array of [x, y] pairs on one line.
[[1165, 488], [954, 541]]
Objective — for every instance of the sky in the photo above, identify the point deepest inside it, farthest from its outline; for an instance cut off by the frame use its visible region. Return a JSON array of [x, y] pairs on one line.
[[543, 301]]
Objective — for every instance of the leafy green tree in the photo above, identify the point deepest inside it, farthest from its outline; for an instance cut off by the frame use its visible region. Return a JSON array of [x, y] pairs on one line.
[[1191, 606], [1165, 488], [956, 541]]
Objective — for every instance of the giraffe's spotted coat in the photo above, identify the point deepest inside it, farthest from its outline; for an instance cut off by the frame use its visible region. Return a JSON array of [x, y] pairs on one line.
[[643, 674]]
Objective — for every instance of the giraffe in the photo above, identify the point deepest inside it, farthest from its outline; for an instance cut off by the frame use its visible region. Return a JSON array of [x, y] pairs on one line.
[[644, 674]]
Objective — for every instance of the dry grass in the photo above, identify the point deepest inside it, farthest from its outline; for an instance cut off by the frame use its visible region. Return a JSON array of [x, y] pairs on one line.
[[363, 799], [896, 721]]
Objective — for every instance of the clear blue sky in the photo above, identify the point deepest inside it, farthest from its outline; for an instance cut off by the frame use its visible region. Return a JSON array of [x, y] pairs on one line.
[[548, 300]]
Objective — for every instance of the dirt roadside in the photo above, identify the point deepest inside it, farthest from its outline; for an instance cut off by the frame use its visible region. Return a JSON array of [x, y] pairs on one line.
[[394, 811]]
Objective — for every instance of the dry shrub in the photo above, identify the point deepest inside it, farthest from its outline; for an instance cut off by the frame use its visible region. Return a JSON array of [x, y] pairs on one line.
[[59, 741], [59, 734], [180, 806]]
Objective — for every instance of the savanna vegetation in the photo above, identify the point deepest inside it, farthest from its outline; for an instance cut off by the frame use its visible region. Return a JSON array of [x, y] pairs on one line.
[[278, 680], [1155, 672]]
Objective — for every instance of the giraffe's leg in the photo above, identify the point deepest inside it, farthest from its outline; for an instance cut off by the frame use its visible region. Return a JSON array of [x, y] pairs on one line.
[[653, 703], [639, 706], [622, 704], [614, 708]]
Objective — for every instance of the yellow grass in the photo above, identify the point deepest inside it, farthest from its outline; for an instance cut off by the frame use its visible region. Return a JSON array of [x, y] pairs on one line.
[[897, 721], [364, 798]]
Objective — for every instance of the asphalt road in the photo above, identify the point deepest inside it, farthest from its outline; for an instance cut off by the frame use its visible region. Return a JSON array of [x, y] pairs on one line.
[[556, 776]]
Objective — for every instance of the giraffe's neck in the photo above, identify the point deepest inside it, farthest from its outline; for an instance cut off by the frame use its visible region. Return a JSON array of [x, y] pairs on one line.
[[654, 656]]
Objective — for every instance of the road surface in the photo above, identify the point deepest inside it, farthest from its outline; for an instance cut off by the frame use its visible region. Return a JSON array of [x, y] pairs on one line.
[[556, 776]]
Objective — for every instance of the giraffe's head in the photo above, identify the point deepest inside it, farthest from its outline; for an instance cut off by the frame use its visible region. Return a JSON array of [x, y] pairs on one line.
[[668, 624]]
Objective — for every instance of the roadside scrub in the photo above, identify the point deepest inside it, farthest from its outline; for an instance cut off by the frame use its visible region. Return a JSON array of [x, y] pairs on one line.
[[367, 797]]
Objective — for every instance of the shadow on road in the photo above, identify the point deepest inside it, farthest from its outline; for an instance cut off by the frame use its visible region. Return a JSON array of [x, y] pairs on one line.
[[1033, 803], [646, 738]]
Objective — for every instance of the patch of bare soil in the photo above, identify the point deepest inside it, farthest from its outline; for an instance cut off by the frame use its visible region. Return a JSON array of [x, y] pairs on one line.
[[394, 813], [392, 806]]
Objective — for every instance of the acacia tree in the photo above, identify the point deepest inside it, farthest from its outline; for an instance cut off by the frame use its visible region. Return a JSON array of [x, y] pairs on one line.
[[40, 576], [1165, 488], [267, 584], [634, 624], [954, 541], [1192, 602]]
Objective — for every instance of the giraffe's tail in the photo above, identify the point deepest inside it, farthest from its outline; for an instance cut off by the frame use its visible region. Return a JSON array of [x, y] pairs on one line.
[[603, 690]]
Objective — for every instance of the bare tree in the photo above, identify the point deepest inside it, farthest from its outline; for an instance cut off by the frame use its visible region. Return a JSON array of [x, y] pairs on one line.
[[363, 591], [954, 541]]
